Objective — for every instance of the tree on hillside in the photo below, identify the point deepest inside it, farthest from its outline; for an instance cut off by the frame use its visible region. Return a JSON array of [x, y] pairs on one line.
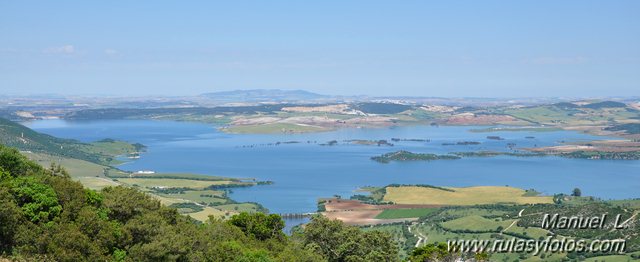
[[576, 192], [336, 241], [259, 225], [432, 253]]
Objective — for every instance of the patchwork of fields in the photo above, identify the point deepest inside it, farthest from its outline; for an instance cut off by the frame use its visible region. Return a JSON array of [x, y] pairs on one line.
[[485, 213]]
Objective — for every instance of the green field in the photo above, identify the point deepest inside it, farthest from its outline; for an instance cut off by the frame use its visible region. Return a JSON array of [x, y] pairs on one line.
[[471, 211], [476, 223], [541, 114], [533, 232], [554, 115], [75, 167], [405, 213], [207, 197], [89, 174]]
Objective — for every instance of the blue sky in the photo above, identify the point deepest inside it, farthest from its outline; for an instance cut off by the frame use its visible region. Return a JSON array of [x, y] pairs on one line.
[[418, 48]]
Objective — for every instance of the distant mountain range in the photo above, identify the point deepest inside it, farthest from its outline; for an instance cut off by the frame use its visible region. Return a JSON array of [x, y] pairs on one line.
[[264, 95]]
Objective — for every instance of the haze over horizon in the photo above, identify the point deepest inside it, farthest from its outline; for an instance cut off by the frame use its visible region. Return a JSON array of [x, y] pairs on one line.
[[376, 48]]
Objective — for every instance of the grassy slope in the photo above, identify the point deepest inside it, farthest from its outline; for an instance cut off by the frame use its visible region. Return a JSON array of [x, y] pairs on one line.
[[461, 196], [201, 196], [554, 115], [89, 174], [540, 114], [475, 223], [534, 232], [472, 211]]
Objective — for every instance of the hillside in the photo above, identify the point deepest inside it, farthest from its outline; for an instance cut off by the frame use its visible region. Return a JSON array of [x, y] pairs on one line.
[[570, 114], [101, 152], [627, 128], [605, 104]]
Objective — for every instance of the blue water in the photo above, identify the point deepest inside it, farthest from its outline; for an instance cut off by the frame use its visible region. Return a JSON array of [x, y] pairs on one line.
[[307, 171]]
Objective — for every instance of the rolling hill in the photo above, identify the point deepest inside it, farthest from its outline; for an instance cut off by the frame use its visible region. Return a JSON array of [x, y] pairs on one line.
[[101, 152]]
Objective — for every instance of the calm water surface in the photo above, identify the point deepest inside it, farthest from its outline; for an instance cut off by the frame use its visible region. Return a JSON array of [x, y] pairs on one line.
[[304, 172]]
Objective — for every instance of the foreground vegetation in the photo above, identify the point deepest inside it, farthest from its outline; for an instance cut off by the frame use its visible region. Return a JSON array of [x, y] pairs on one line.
[[46, 216]]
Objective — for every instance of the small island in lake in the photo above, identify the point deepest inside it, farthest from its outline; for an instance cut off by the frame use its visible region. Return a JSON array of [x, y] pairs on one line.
[[363, 142], [403, 155]]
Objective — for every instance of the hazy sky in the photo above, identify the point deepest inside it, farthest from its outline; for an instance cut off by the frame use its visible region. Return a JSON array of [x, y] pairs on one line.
[[419, 48]]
